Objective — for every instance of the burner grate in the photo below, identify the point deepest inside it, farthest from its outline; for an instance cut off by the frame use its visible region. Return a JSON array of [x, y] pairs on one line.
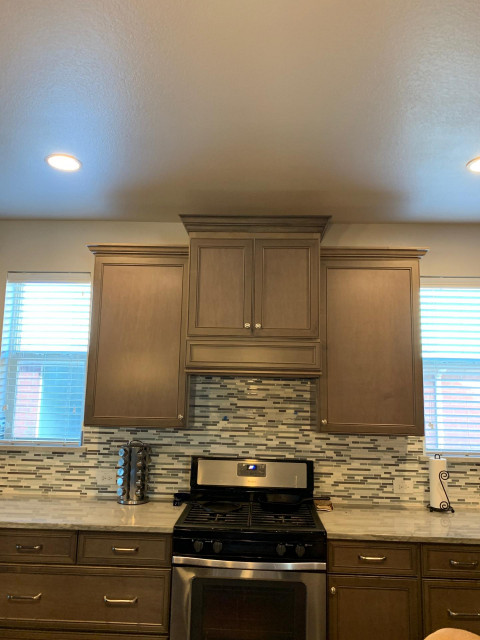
[[301, 518], [199, 515]]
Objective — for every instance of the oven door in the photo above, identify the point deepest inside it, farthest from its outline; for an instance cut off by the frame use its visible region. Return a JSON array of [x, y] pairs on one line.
[[247, 601]]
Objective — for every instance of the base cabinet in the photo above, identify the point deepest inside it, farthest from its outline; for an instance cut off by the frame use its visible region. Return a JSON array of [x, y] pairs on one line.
[[125, 593], [373, 591], [373, 608]]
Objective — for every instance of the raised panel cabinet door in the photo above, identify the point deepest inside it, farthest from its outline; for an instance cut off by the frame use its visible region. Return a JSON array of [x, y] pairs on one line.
[[286, 288], [373, 608], [136, 360], [372, 380], [220, 301]]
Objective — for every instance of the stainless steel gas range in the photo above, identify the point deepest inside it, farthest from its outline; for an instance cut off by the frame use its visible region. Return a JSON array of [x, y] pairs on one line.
[[249, 553]]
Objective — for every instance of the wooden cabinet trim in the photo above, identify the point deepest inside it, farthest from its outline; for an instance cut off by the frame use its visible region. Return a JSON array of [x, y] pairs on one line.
[[372, 253], [211, 355], [254, 224], [113, 249]]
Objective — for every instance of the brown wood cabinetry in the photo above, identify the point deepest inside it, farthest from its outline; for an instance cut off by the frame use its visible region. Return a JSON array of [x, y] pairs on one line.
[[373, 608], [255, 280], [136, 373], [451, 600], [372, 371], [106, 598], [379, 601]]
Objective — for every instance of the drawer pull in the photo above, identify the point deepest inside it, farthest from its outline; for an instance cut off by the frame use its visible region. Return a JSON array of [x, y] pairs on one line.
[[125, 549], [372, 558], [464, 565], [454, 614], [131, 602], [24, 598], [21, 548]]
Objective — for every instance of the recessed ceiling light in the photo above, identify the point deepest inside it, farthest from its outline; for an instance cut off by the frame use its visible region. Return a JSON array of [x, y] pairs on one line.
[[474, 165], [63, 162]]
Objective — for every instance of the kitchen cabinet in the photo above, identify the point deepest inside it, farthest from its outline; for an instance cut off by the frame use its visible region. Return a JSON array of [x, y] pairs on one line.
[[372, 371], [118, 588], [136, 374], [451, 587], [373, 591], [254, 293]]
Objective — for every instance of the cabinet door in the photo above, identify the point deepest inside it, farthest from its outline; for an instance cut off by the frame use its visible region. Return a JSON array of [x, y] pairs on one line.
[[373, 608], [286, 288], [220, 287], [451, 603], [372, 381], [136, 360]]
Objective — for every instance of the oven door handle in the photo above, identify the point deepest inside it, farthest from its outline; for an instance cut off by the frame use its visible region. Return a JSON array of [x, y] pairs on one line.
[[238, 564]]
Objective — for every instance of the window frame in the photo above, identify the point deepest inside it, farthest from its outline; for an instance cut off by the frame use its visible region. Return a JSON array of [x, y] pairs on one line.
[[447, 282], [36, 357]]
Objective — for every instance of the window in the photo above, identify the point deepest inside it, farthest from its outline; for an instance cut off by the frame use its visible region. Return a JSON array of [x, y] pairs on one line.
[[451, 366], [43, 358]]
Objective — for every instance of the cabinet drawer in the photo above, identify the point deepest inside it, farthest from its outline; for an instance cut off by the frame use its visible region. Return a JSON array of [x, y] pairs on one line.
[[451, 561], [451, 603], [372, 558], [26, 545], [91, 598], [146, 550]]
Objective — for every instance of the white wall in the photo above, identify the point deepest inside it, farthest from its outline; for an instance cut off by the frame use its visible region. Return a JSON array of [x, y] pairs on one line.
[[51, 245]]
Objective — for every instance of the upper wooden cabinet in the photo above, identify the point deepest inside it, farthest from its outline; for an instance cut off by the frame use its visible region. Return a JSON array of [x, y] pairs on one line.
[[254, 287], [136, 371], [372, 369], [254, 280]]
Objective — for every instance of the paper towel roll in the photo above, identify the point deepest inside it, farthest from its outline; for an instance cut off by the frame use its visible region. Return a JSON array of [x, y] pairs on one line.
[[437, 468]]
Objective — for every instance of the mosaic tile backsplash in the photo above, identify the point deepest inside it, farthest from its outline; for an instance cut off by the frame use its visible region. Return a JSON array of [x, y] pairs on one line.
[[242, 417]]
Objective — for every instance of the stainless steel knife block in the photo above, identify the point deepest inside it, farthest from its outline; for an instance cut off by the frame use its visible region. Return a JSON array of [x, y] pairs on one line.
[[132, 473]]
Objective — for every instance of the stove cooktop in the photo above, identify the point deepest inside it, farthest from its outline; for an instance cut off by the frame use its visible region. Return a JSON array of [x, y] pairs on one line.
[[251, 517]]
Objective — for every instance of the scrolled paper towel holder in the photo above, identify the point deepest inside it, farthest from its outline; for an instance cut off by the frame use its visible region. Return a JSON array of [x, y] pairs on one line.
[[444, 505]]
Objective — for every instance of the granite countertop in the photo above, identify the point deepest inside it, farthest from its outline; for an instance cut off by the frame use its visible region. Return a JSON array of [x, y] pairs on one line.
[[354, 523], [87, 513], [414, 525]]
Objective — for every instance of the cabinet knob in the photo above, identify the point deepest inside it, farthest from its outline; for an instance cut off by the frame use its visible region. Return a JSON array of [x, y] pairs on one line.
[[333, 591], [324, 421], [258, 325], [180, 417], [247, 325]]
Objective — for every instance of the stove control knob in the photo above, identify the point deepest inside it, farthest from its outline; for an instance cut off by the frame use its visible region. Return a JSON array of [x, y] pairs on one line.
[[300, 550], [281, 549], [217, 546], [198, 545]]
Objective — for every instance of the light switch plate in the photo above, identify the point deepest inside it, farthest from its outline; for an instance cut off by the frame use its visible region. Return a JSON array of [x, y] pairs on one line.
[[402, 486], [105, 477]]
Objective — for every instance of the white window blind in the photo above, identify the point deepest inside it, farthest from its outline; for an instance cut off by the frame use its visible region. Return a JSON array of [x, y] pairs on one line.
[[451, 366], [43, 358]]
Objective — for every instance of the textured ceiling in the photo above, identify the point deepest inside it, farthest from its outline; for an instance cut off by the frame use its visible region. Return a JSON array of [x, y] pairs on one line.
[[365, 110]]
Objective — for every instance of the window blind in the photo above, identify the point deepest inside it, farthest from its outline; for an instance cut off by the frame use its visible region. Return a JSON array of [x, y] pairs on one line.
[[43, 358], [451, 367]]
